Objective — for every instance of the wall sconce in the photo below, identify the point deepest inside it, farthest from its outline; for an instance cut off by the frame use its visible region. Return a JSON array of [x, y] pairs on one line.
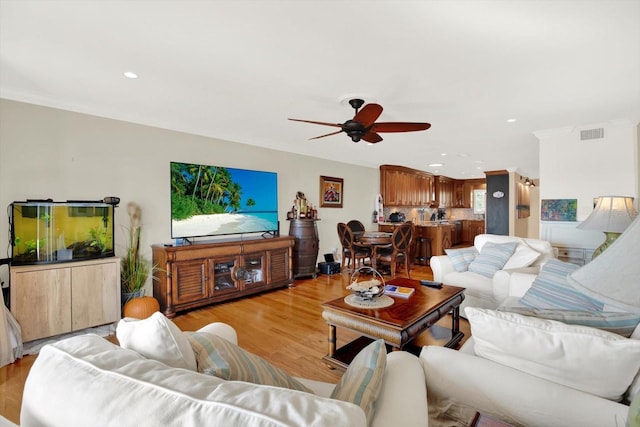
[[612, 215], [528, 182]]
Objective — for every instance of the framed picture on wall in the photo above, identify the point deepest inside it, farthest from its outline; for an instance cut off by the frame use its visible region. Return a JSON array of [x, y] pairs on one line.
[[331, 192], [558, 210]]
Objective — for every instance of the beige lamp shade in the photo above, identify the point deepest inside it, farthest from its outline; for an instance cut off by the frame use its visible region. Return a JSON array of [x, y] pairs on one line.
[[612, 214], [614, 276]]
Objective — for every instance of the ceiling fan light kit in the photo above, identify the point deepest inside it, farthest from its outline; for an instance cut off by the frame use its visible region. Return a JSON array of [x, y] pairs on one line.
[[363, 126]]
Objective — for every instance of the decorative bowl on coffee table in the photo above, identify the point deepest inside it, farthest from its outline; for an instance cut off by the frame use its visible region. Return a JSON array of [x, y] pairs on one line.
[[367, 284]]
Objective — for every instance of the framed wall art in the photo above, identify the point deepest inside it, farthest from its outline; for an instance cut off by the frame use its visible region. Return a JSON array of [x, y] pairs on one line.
[[331, 192], [559, 210]]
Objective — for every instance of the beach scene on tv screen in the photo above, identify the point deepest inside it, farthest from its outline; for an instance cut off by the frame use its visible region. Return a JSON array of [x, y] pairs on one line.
[[213, 200]]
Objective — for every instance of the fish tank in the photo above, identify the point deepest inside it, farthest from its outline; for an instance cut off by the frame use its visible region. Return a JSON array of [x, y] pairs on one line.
[[44, 232]]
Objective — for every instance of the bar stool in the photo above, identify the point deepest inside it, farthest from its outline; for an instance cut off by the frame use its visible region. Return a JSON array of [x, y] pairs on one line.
[[423, 250]]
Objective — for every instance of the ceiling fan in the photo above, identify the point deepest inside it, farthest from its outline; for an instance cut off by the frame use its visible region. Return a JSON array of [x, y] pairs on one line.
[[364, 126]]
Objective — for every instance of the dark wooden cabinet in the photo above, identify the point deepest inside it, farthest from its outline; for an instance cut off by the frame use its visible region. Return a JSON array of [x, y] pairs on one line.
[[445, 192], [402, 186], [463, 191], [470, 229], [191, 276], [440, 237]]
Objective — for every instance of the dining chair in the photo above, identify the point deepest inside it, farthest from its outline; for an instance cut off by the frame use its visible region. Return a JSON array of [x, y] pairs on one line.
[[398, 251], [351, 250], [357, 227]]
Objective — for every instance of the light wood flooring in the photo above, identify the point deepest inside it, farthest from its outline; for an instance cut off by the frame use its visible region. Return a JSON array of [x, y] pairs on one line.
[[284, 326]]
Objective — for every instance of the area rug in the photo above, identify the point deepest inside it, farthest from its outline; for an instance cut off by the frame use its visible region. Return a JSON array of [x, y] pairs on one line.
[[33, 347]]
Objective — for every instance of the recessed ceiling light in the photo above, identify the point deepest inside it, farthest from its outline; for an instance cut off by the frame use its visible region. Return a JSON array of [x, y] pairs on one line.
[[130, 75], [443, 154], [435, 165], [511, 120]]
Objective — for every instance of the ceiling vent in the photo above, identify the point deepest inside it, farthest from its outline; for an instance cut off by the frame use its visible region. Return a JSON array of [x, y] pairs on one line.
[[591, 134]]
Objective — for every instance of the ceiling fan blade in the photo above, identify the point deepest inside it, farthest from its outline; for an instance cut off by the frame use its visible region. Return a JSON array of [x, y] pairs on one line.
[[329, 134], [337, 125], [371, 137], [399, 127], [368, 115]]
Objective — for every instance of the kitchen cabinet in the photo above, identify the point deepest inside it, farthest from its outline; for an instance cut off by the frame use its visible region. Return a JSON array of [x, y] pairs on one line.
[[440, 235], [54, 299], [444, 192], [470, 229], [401, 186], [463, 191], [191, 276], [459, 200]]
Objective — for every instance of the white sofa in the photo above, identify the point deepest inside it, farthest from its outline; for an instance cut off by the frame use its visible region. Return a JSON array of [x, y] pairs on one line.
[[459, 383], [87, 380], [489, 292]]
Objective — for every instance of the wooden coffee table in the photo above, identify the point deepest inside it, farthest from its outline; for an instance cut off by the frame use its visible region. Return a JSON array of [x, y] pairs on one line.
[[398, 324]]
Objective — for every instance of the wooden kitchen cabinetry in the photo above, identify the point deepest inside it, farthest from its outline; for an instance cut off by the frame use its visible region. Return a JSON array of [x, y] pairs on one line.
[[191, 276], [470, 229], [440, 235], [463, 191], [445, 192], [401, 186], [54, 299]]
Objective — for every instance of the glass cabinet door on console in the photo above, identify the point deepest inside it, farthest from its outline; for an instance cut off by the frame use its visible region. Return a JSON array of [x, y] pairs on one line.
[[254, 271], [223, 275]]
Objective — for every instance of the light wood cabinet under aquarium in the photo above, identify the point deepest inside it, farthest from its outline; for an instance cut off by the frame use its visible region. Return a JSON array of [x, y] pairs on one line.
[[54, 299]]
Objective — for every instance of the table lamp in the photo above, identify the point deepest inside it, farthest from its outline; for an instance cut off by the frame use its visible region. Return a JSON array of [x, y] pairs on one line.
[[614, 277], [612, 215]]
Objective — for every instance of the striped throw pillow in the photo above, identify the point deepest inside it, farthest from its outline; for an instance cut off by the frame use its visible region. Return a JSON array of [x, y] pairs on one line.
[[220, 358], [362, 382], [461, 258], [492, 257], [550, 289]]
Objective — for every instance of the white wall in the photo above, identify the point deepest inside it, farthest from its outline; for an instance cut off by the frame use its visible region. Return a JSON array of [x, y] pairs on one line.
[[51, 153], [582, 170]]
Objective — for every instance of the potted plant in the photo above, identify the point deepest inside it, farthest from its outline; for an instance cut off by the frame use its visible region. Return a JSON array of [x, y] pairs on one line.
[[134, 269]]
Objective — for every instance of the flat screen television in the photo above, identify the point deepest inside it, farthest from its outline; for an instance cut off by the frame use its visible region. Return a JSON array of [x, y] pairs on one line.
[[215, 200]]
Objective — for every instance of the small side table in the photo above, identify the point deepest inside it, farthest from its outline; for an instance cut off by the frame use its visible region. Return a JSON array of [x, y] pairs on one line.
[[483, 420]]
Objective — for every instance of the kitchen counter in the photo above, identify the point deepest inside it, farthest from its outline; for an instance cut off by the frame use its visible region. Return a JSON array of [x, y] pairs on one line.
[[438, 232], [418, 224]]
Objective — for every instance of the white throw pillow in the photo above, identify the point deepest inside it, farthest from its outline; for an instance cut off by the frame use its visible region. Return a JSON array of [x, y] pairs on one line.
[[594, 361], [524, 256], [634, 389], [157, 338]]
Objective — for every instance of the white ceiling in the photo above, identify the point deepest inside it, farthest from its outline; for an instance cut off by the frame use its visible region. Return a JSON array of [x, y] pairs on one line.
[[236, 70]]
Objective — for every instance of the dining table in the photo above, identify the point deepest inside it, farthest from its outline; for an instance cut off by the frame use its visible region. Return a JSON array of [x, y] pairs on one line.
[[373, 239]]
